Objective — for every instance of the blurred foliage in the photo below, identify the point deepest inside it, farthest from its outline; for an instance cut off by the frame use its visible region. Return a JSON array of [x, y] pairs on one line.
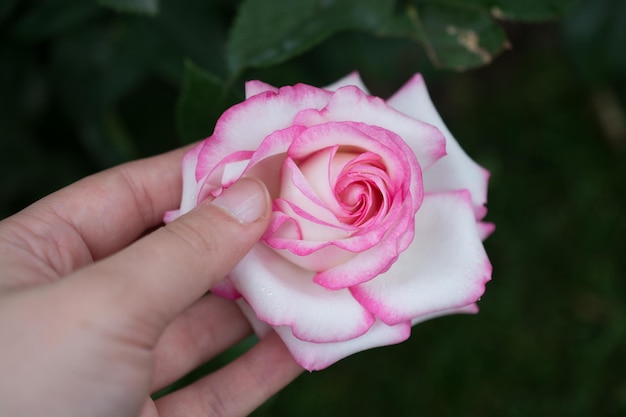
[[148, 7], [86, 85]]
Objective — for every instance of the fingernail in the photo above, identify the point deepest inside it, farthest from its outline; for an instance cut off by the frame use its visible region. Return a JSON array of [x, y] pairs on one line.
[[246, 200]]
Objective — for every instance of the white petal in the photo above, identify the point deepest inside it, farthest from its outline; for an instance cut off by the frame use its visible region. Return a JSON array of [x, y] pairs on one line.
[[456, 170], [351, 79], [316, 356], [190, 185], [350, 104], [444, 268], [255, 87], [468, 309], [283, 294]]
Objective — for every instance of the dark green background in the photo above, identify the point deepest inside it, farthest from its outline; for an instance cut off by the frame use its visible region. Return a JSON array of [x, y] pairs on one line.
[[547, 118]]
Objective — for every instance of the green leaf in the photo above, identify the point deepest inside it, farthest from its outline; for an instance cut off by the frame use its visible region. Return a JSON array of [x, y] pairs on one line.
[[527, 10], [201, 103], [147, 7], [268, 32], [192, 30], [457, 37]]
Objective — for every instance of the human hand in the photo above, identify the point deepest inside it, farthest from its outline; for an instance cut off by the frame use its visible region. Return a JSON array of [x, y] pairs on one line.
[[94, 317]]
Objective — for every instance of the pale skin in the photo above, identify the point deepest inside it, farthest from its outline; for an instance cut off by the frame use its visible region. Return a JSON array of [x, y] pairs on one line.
[[97, 311]]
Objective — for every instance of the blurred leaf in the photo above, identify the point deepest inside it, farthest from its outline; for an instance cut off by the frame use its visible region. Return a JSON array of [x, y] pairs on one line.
[[192, 30], [201, 103], [44, 19], [268, 32], [401, 25], [147, 7], [462, 34], [457, 37], [528, 10]]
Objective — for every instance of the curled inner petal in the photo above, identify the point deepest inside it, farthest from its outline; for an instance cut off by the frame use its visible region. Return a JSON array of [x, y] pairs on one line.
[[362, 190]]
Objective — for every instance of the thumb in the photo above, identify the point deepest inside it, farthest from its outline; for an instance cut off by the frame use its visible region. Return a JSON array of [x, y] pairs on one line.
[[163, 273]]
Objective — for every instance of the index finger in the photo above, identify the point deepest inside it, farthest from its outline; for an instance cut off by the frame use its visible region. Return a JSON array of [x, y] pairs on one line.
[[112, 208], [108, 210]]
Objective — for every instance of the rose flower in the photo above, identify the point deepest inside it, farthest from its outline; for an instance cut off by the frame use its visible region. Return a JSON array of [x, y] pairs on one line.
[[377, 214]]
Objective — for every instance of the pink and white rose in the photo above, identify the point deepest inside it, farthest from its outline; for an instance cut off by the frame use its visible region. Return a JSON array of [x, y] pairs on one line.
[[377, 214]]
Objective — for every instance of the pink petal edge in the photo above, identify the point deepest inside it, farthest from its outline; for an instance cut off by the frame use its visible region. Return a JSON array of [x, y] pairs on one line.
[[456, 170], [445, 270]]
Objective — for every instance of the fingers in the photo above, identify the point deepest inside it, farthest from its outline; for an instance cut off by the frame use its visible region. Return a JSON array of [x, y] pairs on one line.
[[102, 213], [238, 388], [205, 329], [162, 274]]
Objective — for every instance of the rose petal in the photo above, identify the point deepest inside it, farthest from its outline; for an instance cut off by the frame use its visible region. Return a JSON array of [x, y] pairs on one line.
[[245, 125], [350, 103], [317, 356], [445, 267], [400, 163], [351, 79], [377, 256], [226, 289], [297, 188], [390, 237], [225, 173], [392, 231], [456, 170], [260, 328], [485, 229], [282, 294], [327, 257], [468, 309], [190, 186], [255, 87], [265, 163]]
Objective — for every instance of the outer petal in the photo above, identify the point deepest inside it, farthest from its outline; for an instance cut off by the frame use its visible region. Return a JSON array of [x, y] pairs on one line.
[[190, 185], [468, 309], [244, 126], [485, 229], [265, 163], [226, 289], [351, 79], [282, 294], [255, 87], [445, 267], [351, 104], [316, 356], [456, 170]]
